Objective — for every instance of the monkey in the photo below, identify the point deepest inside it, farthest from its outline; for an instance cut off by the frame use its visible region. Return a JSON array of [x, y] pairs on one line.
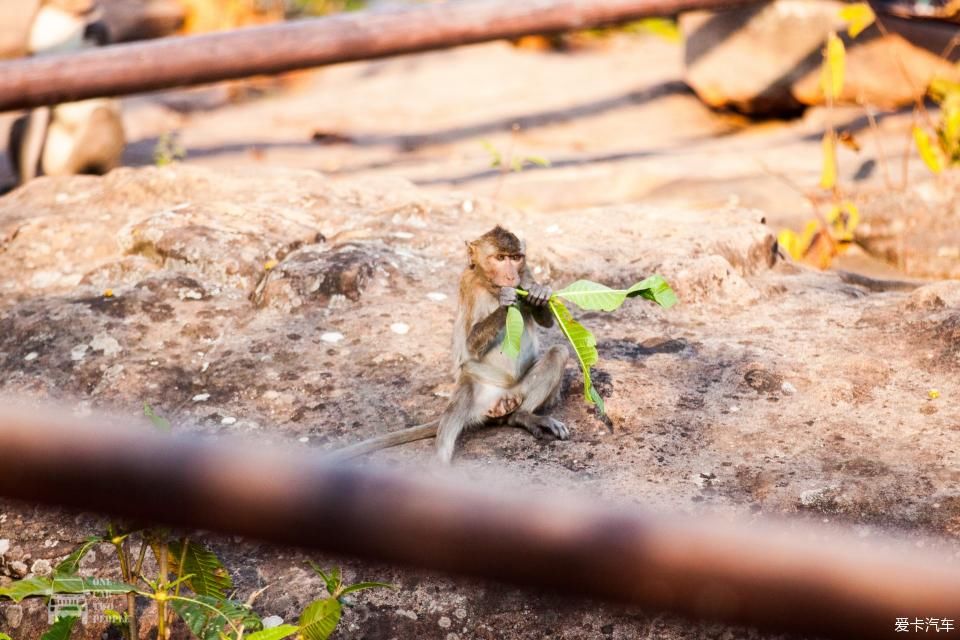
[[491, 387], [70, 138]]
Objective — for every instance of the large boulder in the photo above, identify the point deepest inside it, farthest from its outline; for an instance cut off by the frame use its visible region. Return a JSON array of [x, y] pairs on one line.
[[765, 59]]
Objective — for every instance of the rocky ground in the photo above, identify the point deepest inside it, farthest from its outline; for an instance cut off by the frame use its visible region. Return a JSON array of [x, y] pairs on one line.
[[236, 297]]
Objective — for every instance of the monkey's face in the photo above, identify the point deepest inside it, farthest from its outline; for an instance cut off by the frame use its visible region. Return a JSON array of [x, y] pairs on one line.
[[504, 269], [499, 255]]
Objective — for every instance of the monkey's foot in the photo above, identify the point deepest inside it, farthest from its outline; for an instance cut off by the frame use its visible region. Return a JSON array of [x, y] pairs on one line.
[[554, 427], [505, 405], [540, 425]]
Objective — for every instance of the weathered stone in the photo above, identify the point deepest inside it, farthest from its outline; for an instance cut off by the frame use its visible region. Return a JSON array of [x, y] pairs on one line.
[[12, 615], [16, 17], [41, 567], [766, 58], [319, 275], [915, 229]]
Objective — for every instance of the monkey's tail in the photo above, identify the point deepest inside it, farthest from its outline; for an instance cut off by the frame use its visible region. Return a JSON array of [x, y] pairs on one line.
[[387, 440]]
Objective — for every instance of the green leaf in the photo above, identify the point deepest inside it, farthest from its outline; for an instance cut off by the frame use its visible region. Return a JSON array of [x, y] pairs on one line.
[[207, 617], [71, 564], [61, 629], [4, 636], [593, 296], [584, 345], [333, 580], [828, 174], [210, 577], [496, 159], [931, 155], [320, 618], [27, 588], [859, 16], [655, 289], [540, 161], [360, 586], [834, 63], [38, 586], [93, 586], [115, 617], [514, 332], [161, 423], [274, 633]]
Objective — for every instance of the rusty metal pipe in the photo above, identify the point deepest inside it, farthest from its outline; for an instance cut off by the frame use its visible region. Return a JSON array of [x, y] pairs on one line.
[[786, 577], [190, 60]]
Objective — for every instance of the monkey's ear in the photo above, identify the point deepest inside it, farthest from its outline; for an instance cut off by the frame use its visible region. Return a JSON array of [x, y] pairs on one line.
[[471, 253]]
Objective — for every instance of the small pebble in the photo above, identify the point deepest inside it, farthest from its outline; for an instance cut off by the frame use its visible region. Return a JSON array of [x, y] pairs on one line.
[[272, 621], [445, 622], [228, 420], [332, 337], [787, 388], [436, 296], [4, 546], [78, 352], [553, 229], [400, 328], [303, 439], [467, 206], [200, 397], [41, 568], [31, 356]]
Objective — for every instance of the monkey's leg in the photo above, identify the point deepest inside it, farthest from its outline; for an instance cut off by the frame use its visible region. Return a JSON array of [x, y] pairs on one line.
[[465, 410], [540, 387]]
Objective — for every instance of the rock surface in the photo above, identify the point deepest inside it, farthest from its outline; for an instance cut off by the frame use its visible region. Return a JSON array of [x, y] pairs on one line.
[[766, 59], [267, 302]]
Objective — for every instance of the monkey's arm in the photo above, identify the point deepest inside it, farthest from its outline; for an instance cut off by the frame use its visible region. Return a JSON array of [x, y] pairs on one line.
[[387, 440], [483, 334], [536, 302]]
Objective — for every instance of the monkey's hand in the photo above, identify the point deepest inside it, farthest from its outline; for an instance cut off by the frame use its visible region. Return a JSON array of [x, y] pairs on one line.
[[508, 296], [539, 294]]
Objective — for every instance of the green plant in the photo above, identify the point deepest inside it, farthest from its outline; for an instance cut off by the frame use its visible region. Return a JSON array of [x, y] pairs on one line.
[[510, 162], [589, 296], [207, 610], [829, 233], [161, 423], [168, 150], [941, 149], [297, 8], [190, 582]]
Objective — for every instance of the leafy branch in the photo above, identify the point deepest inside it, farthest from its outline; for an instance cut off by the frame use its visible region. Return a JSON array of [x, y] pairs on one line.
[[589, 296]]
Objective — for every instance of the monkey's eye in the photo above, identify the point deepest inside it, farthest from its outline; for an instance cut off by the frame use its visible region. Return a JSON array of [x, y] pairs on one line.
[[501, 257]]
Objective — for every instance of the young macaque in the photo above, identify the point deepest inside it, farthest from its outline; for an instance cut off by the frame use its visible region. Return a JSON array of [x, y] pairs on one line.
[[73, 138], [493, 388]]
